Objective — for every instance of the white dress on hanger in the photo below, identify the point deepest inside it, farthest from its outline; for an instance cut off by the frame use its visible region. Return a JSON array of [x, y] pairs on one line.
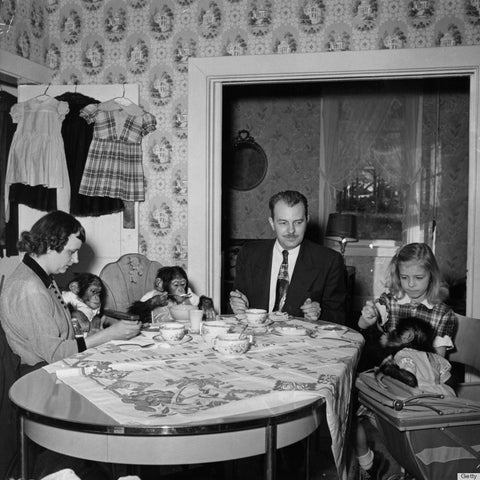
[[37, 153]]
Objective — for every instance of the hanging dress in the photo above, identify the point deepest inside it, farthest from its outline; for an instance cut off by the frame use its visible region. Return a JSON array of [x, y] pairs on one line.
[[77, 136], [37, 154], [114, 165]]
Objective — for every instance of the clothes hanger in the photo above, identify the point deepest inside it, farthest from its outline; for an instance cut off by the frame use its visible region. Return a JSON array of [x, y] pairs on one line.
[[44, 94], [124, 101]]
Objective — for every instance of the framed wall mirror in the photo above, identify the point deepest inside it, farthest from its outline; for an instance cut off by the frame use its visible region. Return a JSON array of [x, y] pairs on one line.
[[248, 163]]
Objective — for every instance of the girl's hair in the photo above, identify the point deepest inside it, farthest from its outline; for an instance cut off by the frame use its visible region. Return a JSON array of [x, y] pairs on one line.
[[50, 232], [421, 253]]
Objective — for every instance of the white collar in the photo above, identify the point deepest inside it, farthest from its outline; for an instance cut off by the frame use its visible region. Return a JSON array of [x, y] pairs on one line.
[[406, 299], [291, 253]]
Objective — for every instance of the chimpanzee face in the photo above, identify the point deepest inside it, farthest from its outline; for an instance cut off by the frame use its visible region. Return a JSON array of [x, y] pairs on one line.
[[93, 295], [178, 286]]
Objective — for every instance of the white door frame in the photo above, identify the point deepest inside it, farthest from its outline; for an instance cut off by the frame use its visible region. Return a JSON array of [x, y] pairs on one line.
[[207, 76]]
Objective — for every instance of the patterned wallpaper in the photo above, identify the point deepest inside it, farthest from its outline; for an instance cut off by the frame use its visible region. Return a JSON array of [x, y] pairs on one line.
[[149, 42], [286, 126]]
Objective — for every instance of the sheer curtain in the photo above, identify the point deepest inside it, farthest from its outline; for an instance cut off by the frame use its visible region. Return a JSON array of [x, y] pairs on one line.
[[351, 125]]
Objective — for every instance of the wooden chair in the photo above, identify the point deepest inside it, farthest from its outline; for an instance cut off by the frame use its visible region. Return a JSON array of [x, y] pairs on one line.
[[126, 281]]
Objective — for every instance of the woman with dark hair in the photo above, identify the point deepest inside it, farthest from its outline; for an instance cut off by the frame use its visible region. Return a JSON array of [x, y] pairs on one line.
[[36, 321]]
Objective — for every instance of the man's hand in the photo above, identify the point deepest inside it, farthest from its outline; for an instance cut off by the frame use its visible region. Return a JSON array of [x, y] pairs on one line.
[[238, 301], [311, 310]]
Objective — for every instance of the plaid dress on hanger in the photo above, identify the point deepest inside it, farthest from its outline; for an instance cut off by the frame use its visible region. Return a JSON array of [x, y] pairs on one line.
[[114, 163]]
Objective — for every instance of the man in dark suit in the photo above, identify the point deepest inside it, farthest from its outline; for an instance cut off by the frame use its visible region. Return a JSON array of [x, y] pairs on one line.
[[316, 275]]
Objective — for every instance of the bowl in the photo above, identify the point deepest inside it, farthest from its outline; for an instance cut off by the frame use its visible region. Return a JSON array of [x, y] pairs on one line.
[[172, 331], [255, 316], [231, 344], [180, 312], [213, 328]]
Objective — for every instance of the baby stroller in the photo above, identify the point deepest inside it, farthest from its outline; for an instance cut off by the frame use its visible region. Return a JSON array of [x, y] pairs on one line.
[[432, 437]]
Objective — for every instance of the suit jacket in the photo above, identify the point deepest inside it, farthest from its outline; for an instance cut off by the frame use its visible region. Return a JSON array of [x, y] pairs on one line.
[[319, 274]]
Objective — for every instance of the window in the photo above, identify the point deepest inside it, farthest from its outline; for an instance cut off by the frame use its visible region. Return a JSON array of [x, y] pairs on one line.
[[387, 157]]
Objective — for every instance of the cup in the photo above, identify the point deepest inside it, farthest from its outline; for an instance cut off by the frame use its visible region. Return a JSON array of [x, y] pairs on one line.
[[232, 344], [212, 329], [172, 331], [255, 316], [196, 317]]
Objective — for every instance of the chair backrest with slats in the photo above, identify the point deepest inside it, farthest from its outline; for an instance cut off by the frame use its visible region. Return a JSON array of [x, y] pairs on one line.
[[467, 342], [128, 279]]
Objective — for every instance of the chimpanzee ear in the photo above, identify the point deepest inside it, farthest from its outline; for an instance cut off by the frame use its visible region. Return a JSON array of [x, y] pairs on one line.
[[74, 287], [159, 284]]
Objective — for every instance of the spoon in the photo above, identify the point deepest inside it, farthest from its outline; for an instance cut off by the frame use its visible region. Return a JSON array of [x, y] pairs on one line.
[[243, 329], [135, 345], [184, 295]]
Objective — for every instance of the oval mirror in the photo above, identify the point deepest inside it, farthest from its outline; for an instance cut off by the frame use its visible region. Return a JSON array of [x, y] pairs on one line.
[[248, 165]]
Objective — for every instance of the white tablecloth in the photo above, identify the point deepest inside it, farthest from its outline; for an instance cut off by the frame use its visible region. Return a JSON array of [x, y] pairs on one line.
[[190, 382]]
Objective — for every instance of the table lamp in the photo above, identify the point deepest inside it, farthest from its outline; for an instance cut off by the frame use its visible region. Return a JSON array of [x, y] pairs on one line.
[[342, 227]]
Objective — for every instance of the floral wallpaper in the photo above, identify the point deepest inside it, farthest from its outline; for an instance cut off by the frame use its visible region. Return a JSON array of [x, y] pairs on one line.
[[149, 42]]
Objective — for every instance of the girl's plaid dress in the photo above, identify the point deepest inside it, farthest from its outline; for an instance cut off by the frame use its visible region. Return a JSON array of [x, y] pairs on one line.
[[114, 163]]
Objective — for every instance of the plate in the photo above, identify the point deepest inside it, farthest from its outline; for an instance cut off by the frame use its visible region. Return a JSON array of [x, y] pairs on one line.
[[331, 328], [160, 339], [291, 331], [278, 316], [134, 346], [151, 328]]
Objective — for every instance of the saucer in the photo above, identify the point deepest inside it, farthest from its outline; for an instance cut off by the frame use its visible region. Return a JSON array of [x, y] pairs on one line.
[[185, 339], [243, 321], [257, 329], [291, 331], [331, 328], [278, 316]]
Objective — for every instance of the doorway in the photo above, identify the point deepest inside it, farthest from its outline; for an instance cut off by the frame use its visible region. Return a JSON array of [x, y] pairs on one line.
[[209, 76], [286, 121]]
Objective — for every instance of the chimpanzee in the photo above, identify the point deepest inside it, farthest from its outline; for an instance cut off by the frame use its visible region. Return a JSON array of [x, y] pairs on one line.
[[170, 288], [411, 358], [84, 299]]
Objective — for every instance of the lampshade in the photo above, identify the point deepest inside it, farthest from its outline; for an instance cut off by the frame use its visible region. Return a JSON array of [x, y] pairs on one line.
[[342, 227]]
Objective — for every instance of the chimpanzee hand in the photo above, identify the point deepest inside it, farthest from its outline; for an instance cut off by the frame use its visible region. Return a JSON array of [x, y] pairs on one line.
[[159, 300], [80, 319], [206, 304]]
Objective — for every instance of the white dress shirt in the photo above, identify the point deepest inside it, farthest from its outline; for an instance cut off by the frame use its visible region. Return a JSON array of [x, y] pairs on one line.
[[277, 259]]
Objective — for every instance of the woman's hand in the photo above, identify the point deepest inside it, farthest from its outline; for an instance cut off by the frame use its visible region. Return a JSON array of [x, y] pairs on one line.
[[124, 330], [120, 330]]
